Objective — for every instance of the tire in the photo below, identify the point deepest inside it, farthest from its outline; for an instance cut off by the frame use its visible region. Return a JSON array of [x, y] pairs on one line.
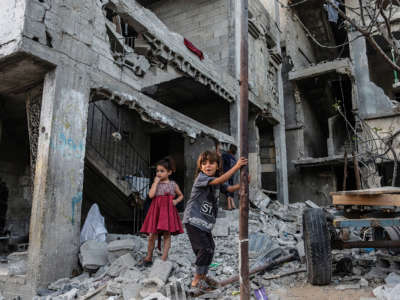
[[317, 246]]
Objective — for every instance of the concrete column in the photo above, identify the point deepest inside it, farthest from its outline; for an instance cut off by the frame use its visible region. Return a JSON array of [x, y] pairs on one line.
[[371, 98], [280, 149], [254, 152], [57, 197]]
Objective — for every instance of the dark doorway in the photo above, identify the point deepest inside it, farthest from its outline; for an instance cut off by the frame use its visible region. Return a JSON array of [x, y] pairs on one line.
[[169, 143]]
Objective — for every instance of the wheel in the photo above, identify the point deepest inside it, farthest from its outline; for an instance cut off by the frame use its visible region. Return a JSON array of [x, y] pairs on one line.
[[317, 246]]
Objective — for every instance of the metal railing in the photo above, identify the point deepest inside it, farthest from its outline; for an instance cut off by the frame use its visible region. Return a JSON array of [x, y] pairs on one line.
[[104, 137]]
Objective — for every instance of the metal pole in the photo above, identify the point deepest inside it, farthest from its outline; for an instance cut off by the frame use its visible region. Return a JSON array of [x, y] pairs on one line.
[[244, 149]]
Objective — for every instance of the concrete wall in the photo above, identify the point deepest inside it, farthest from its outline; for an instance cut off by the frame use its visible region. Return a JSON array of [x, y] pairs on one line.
[[11, 25], [207, 24]]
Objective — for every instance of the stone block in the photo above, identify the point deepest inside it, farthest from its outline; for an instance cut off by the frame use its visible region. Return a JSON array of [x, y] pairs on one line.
[[127, 244], [113, 288], [119, 248], [122, 263], [131, 291], [130, 275], [156, 296], [93, 254], [161, 270]]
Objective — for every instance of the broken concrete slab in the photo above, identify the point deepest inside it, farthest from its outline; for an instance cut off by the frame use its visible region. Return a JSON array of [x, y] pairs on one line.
[[341, 66], [113, 288], [130, 275], [161, 270], [156, 296], [93, 254], [119, 248], [131, 291], [122, 263], [259, 243], [259, 198], [392, 279]]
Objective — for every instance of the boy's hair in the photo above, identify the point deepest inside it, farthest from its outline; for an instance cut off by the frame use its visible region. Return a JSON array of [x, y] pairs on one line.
[[233, 149], [212, 157], [168, 163]]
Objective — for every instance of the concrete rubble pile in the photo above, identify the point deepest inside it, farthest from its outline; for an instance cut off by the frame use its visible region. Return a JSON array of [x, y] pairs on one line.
[[111, 268]]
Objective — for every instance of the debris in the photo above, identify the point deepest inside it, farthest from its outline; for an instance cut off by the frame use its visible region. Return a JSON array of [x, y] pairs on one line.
[[93, 254], [175, 290], [259, 243], [363, 282], [94, 228], [119, 248], [113, 288], [392, 279], [17, 268], [384, 292], [301, 251], [156, 296], [130, 291], [122, 263], [348, 286], [312, 204], [258, 198], [161, 270]]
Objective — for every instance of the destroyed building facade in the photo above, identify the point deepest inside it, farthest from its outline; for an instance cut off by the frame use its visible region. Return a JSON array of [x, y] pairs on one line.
[[93, 93], [340, 96]]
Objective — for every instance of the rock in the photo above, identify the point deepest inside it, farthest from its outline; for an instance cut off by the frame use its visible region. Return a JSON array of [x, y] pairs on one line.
[[93, 254], [113, 288], [392, 279], [228, 270], [59, 284], [355, 286], [259, 243], [129, 276], [17, 268], [118, 248], [221, 227], [211, 295], [131, 291], [258, 198], [375, 273], [67, 296], [156, 296], [122, 263], [161, 270], [363, 282]]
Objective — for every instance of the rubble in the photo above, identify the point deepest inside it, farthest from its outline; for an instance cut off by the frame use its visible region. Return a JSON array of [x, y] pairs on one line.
[[274, 232], [93, 254]]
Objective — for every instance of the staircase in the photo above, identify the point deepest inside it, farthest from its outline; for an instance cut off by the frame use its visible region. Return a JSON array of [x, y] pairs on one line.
[[116, 176]]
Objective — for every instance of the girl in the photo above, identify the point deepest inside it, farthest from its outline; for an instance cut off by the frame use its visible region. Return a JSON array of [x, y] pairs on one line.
[[162, 217], [201, 211]]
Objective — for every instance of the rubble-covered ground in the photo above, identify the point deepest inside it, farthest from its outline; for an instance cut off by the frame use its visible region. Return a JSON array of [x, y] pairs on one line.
[[110, 268]]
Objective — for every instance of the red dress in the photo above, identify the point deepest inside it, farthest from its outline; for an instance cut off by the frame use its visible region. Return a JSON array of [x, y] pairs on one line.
[[162, 214]]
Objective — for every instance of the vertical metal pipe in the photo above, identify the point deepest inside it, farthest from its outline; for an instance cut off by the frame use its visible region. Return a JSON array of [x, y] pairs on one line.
[[244, 149]]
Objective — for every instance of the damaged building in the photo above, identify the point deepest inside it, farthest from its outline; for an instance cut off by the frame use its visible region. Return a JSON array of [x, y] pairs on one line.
[[93, 93], [341, 100]]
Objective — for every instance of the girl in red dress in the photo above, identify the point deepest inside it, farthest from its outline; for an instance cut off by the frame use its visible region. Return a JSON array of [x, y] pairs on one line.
[[162, 217]]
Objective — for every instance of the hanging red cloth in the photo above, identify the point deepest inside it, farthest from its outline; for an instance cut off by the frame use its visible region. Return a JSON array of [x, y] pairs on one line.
[[193, 48]]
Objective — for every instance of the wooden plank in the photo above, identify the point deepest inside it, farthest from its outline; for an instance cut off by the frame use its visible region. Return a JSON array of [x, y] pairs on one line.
[[373, 199], [374, 191]]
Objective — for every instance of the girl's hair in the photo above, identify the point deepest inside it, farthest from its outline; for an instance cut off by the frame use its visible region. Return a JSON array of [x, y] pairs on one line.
[[212, 157], [168, 163]]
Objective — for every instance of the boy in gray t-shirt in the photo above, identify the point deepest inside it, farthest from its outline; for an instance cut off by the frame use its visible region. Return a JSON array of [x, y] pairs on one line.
[[202, 208]]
